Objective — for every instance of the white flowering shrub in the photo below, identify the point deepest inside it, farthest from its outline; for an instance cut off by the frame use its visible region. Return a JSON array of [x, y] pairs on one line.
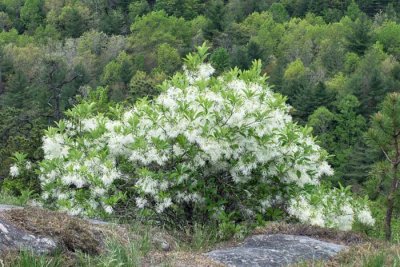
[[332, 208], [21, 176], [205, 147]]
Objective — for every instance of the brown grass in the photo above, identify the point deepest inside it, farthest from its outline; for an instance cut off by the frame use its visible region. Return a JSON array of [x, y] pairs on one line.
[[325, 234], [187, 259], [357, 256]]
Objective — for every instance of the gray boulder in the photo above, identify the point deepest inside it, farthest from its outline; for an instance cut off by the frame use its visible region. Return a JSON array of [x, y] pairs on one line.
[[14, 239], [275, 250]]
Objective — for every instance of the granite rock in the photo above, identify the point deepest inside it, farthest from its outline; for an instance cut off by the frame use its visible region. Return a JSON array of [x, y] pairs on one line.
[[14, 239], [275, 250]]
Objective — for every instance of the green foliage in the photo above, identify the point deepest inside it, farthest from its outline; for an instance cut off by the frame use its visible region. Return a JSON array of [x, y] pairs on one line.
[[29, 259], [359, 36], [220, 59], [157, 28], [202, 236], [341, 133], [73, 21], [113, 22], [117, 254], [323, 123], [378, 210], [279, 12], [386, 125], [22, 180], [159, 37], [138, 8], [20, 132], [32, 14], [388, 35], [188, 9], [370, 82], [143, 85], [5, 22], [168, 59], [23, 199], [295, 71], [116, 75], [353, 11]]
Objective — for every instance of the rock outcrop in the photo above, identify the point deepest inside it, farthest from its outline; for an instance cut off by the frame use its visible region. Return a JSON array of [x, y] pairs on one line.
[[42, 231], [275, 250], [14, 239]]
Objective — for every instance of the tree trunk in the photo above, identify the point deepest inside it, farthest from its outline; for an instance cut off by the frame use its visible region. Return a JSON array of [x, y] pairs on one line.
[[389, 211], [57, 104], [1, 82], [393, 189], [189, 209]]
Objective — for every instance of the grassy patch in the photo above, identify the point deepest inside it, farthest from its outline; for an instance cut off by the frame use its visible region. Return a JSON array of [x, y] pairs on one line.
[[370, 254], [365, 255], [117, 252], [10, 199]]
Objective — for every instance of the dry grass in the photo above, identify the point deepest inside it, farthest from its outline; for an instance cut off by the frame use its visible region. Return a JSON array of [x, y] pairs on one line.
[[330, 235], [187, 259], [368, 254]]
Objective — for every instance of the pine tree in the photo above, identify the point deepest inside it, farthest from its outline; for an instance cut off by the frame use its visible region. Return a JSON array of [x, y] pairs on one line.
[[356, 166], [359, 36], [307, 98], [384, 134]]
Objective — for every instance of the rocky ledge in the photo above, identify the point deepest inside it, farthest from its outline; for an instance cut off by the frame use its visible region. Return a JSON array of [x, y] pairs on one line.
[[275, 250], [13, 238], [43, 232]]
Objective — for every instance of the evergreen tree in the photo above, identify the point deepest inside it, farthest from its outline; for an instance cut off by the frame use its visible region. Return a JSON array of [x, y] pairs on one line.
[[355, 167], [220, 59], [359, 36], [32, 14], [307, 98], [384, 134]]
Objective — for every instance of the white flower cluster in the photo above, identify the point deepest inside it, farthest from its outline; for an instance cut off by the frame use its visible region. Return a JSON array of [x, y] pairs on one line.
[[334, 209], [201, 133], [20, 166], [73, 164], [14, 170], [54, 147]]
